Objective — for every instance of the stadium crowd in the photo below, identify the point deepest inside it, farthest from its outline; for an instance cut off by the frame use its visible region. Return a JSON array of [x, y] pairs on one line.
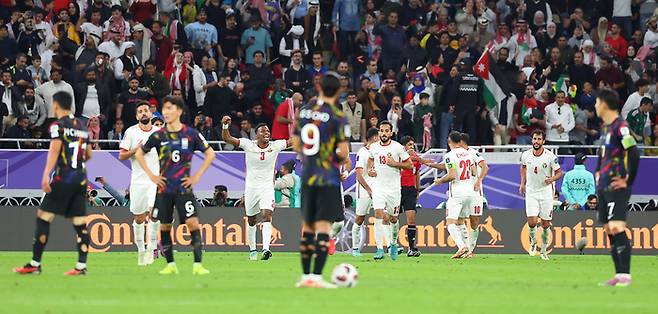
[[406, 61]]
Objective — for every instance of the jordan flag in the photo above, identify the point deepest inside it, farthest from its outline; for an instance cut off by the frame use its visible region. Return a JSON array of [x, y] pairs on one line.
[[487, 69]]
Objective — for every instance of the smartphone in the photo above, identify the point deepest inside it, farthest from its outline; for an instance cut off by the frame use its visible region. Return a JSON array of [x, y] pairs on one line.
[[98, 179]]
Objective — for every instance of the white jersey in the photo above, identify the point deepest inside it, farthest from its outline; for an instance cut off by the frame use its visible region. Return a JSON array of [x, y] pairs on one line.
[[538, 168], [460, 160], [260, 163], [478, 169], [362, 157], [388, 178], [135, 137]]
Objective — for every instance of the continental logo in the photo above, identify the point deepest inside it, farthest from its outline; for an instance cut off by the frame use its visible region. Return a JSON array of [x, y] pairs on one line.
[[105, 234], [565, 237]]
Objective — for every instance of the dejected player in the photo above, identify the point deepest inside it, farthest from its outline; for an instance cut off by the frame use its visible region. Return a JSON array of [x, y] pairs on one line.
[[616, 171], [175, 144], [322, 138], [260, 159], [65, 187]]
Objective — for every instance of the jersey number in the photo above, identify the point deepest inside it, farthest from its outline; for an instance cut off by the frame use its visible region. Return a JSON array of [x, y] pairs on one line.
[[466, 169], [611, 207], [382, 160], [311, 139], [189, 209], [175, 156], [477, 209], [262, 155], [535, 171], [76, 149]]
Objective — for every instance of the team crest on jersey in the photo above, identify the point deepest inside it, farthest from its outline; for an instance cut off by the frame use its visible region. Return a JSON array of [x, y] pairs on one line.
[[184, 142], [545, 165]]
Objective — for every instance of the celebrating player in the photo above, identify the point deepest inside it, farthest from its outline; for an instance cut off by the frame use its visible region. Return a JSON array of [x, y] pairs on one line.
[[410, 181], [175, 144], [477, 202], [387, 158], [322, 138], [260, 159], [66, 187], [616, 171], [459, 164], [539, 170], [142, 190], [363, 189]]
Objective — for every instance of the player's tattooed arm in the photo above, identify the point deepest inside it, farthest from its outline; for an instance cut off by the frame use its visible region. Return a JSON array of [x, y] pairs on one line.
[[53, 152], [226, 135]]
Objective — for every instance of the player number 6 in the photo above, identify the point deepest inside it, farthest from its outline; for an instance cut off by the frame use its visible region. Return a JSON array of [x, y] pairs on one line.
[[175, 156], [189, 208]]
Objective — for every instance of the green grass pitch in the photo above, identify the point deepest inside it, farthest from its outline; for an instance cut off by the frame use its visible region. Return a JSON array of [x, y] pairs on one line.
[[429, 284]]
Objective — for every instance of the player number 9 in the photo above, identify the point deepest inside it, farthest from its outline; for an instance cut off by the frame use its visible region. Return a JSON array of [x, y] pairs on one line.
[[189, 208], [175, 156], [310, 135]]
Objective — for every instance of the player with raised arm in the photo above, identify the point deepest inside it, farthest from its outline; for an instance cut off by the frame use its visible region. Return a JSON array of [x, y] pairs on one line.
[[260, 160], [459, 164], [322, 138], [64, 182], [477, 203], [387, 158], [617, 168], [410, 181], [142, 190], [175, 144], [363, 189], [539, 170]]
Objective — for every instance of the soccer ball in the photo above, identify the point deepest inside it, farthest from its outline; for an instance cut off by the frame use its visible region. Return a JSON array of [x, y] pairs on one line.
[[345, 276]]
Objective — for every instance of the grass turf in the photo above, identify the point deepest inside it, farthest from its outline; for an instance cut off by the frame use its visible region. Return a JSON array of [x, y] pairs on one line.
[[432, 283]]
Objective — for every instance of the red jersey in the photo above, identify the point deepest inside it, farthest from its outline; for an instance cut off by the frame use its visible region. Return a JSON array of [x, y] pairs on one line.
[[279, 129], [408, 176]]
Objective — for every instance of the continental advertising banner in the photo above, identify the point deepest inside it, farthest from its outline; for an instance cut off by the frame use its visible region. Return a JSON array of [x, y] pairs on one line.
[[224, 229]]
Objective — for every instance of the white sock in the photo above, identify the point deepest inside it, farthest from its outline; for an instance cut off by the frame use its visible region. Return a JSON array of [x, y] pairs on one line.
[[473, 237], [34, 263], [80, 266], [138, 232], [455, 233], [251, 237], [533, 234], [395, 230], [336, 227], [267, 235], [464, 231], [154, 231], [388, 234], [379, 234], [356, 236]]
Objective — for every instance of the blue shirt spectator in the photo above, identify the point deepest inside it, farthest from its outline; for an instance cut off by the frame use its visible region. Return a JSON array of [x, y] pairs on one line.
[[345, 15], [255, 39], [201, 34], [578, 184]]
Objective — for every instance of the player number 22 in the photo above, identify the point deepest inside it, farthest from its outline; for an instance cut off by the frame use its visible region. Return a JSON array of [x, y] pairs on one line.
[[465, 165], [310, 135], [76, 150]]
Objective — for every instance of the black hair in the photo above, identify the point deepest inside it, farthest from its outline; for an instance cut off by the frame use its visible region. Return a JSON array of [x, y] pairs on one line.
[[52, 70], [455, 137], [424, 95], [406, 139], [351, 92], [591, 197], [142, 103], [466, 138], [609, 97], [385, 123], [174, 101], [330, 85], [538, 132], [641, 82], [148, 62], [561, 92], [257, 52], [372, 132], [63, 100], [5, 70], [221, 188], [347, 200], [260, 125]]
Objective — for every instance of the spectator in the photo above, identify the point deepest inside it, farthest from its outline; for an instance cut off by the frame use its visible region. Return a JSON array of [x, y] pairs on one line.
[[247, 130], [173, 29], [291, 43], [8, 47], [116, 24], [145, 49], [20, 75], [600, 32], [579, 72], [318, 68], [313, 27], [202, 36], [592, 203], [45, 92], [113, 47], [256, 115], [578, 184], [10, 96], [345, 18], [256, 39], [284, 184], [465, 18], [116, 134], [36, 113], [578, 136], [528, 116], [422, 112], [260, 79], [617, 41], [521, 43], [589, 55], [372, 75], [354, 112], [163, 45], [296, 76], [19, 130], [284, 118], [204, 125], [621, 16], [467, 98], [156, 83], [638, 117], [393, 40], [93, 99], [220, 197], [633, 101], [220, 100], [559, 122], [92, 25], [127, 102], [122, 200], [609, 75], [94, 129]]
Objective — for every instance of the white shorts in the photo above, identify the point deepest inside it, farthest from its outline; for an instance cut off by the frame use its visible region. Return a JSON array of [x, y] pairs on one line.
[[476, 205], [387, 200], [363, 206], [257, 199], [142, 197], [539, 205], [458, 207]]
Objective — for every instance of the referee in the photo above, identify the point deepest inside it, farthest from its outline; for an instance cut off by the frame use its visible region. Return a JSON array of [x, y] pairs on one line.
[[410, 182]]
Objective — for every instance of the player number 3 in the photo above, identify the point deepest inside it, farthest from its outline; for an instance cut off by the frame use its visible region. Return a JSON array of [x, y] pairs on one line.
[[310, 135]]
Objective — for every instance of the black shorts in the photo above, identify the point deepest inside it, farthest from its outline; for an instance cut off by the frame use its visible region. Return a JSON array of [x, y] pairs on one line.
[[322, 203], [613, 205], [409, 198], [66, 199], [163, 210]]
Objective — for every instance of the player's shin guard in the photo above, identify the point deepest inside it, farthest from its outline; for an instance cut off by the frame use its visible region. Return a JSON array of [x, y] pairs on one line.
[[267, 235], [411, 236], [167, 247], [623, 248], [196, 245], [82, 241], [138, 232], [546, 232], [336, 227], [379, 234], [395, 230], [456, 235], [251, 237], [356, 236], [306, 249], [321, 252], [41, 235], [473, 238], [154, 230]]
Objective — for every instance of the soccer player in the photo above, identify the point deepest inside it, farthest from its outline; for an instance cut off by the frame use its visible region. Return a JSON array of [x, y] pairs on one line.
[[175, 144], [459, 164], [410, 181], [477, 202], [142, 190], [322, 138], [65, 187], [260, 160], [539, 170], [616, 171], [338, 225], [363, 189], [387, 158]]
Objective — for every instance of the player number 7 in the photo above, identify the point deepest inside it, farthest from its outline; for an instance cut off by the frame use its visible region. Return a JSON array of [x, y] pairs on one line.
[[611, 207]]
